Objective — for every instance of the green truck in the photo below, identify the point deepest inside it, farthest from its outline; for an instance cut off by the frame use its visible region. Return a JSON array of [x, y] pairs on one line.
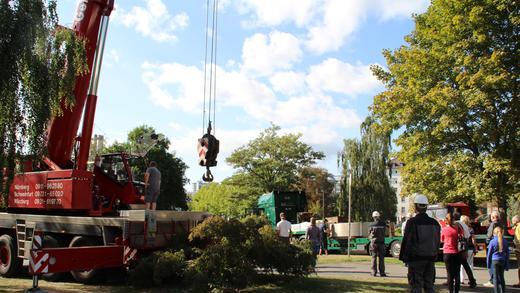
[[294, 203], [290, 202]]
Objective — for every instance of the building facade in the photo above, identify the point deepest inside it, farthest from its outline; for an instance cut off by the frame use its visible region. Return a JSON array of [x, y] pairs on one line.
[[394, 176]]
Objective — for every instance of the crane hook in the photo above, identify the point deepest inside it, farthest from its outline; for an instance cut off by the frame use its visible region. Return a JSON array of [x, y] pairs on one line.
[[208, 177]]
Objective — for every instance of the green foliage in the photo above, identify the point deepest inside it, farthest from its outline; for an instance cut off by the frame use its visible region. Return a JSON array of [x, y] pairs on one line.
[[219, 199], [452, 92], [159, 268], [172, 168], [142, 274], [39, 63], [318, 185], [371, 190], [230, 250], [169, 267], [273, 161]]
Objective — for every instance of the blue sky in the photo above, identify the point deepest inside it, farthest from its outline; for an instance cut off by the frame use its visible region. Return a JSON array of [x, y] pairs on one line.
[[301, 64]]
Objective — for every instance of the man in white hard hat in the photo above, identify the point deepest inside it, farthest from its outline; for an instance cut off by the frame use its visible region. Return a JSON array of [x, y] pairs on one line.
[[376, 234], [420, 247]]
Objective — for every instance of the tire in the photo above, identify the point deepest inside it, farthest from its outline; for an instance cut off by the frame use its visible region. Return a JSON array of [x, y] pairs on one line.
[[10, 264], [88, 276], [51, 242], [395, 248]]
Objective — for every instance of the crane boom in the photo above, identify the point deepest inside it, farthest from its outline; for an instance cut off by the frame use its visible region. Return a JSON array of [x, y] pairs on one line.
[[62, 131]]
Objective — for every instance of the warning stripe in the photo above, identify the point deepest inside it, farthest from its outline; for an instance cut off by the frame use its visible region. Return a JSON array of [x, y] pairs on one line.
[[39, 263], [129, 254], [37, 242]]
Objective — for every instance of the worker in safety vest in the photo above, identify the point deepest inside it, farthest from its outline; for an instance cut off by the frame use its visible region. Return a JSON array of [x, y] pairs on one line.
[[376, 234]]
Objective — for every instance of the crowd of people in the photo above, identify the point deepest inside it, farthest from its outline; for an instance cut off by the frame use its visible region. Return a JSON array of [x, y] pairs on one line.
[[422, 237]]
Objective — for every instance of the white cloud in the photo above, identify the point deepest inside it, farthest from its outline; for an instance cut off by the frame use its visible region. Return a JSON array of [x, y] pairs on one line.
[[340, 19], [264, 54], [153, 21], [333, 75], [328, 23], [400, 8], [288, 82], [312, 112], [276, 12], [187, 81]]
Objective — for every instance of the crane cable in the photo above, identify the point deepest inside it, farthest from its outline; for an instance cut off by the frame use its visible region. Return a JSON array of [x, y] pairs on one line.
[[208, 146], [211, 93]]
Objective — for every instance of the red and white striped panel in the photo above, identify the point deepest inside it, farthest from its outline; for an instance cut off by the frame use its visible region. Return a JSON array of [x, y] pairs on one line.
[[129, 254], [39, 261]]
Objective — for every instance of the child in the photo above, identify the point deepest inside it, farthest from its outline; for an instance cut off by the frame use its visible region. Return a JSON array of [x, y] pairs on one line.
[[497, 258]]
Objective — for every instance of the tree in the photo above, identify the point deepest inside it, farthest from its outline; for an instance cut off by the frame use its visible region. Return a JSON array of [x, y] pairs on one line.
[[318, 185], [39, 63], [219, 199], [272, 160], [453, 93], [172, 169], [367, 160]]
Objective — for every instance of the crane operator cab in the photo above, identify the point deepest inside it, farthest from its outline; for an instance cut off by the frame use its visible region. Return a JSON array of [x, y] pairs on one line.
[[120, 176]]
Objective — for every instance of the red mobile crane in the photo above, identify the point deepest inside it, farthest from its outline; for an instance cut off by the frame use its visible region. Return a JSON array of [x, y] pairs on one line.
[[78, 210]]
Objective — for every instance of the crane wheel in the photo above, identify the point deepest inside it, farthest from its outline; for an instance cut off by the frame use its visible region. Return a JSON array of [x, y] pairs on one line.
[[10, 264], [50, 241], [87, 276]]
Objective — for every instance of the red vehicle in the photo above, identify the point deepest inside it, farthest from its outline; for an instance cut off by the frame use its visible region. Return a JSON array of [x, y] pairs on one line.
[[89, 219]]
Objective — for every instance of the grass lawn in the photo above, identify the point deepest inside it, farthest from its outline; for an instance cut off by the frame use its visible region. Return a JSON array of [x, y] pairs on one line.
[[333, 284], [341, 258]]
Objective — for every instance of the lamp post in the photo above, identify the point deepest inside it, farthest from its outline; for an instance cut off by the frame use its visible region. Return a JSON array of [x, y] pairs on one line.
[[349, 206]]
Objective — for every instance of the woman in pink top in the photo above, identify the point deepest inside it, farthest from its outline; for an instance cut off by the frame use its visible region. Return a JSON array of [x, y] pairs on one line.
[[452, 256]]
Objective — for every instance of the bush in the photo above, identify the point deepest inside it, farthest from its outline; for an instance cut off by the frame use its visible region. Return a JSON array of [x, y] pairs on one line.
[[160, 267], [141, 275], [226, 254], [169, 267]]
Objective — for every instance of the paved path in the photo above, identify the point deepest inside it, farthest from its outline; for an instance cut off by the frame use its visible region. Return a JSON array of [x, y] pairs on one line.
[[399, 272]]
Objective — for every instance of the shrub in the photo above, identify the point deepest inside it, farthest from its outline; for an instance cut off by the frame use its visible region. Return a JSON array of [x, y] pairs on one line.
[[226, 254], [169, 267], [141, 275]]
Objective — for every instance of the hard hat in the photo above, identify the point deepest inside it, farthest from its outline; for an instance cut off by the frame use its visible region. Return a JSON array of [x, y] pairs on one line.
[[420, 199], [375, 214]]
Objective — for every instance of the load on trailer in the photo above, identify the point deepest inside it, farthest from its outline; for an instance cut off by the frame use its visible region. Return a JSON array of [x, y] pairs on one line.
[[61, 216]]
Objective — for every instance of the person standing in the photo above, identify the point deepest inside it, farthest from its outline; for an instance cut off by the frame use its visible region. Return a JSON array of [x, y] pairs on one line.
[[313, 234], [324, 229], [452, 256], [494, 217], [498, 258], [403, 225], [464, 255], [516, 225], [472, 250], [376, 235], [152, 183], [420, 247], [283, 229]]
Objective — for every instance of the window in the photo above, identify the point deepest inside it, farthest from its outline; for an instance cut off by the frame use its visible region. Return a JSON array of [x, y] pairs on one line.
[[403, 210], [114, 168]]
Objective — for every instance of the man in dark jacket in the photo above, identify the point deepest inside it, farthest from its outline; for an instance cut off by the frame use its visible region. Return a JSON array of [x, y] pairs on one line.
[[376, 234], [420, 247]]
